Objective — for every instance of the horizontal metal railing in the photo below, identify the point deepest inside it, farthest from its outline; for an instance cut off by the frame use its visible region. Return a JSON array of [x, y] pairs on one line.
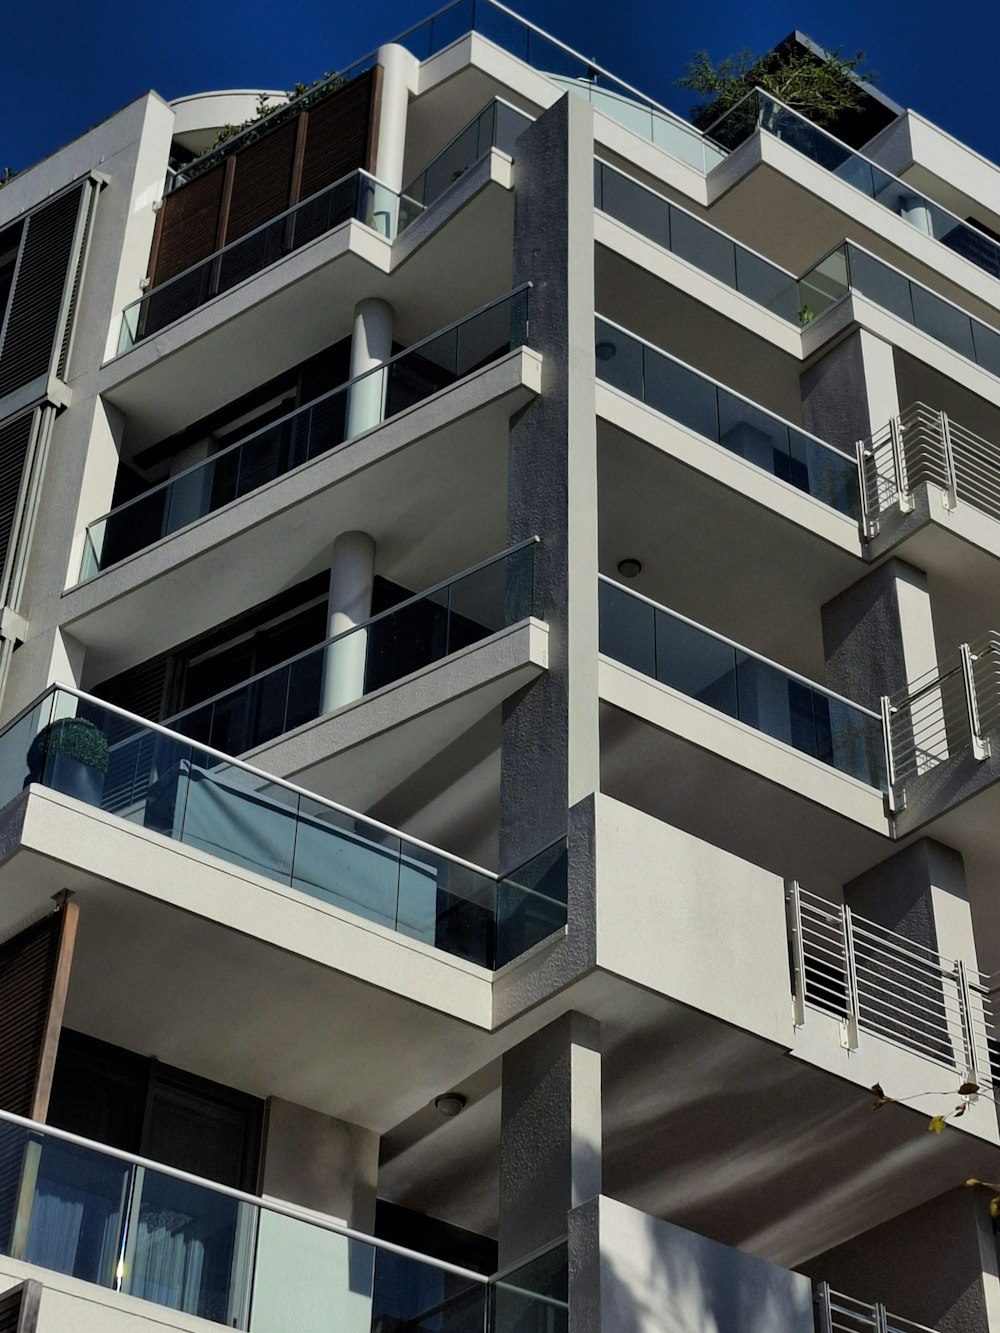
[[425, 628], [498, 125], [950, 711], [715, 671], [412, 375], [837, 1313], [198, 795], [358, 195], [684, 394], [759, 110], [139, 1227], [926, 447], [877, 981]]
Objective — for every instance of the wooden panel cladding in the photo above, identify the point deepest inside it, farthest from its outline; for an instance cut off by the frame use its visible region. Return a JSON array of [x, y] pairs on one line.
[[34, 975], [261, 183], [338, 135], [256, 183], [19, 1308], [34, 326], [188, 224]]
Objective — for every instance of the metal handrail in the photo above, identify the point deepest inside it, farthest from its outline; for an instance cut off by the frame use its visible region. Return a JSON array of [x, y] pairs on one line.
[[738, 647], [288, 1210]]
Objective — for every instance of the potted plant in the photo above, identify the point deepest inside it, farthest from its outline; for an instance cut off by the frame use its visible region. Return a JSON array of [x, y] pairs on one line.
[[70, 755]]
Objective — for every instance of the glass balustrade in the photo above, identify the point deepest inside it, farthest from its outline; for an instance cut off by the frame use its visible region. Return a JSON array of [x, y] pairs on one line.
[[759, 111], [688, 397], [358, 196], [407, 379], [421, 630], [697, 242], [849, 268], [497, 126], [128, 1226], [164, 782], [728, 678]]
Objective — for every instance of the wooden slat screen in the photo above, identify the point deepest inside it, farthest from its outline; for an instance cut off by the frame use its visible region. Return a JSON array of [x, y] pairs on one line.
[[196, 219], [34, 331], [19, 1308]]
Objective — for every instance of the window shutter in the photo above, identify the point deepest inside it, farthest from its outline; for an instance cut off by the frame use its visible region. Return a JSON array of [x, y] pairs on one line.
[[15, 438], [19, 1308], [36, 327], [338, 134]]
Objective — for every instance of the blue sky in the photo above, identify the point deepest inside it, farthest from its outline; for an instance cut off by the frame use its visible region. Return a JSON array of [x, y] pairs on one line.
[[68, 66]]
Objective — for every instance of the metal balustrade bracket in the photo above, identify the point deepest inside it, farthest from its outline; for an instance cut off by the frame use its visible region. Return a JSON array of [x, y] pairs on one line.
[[905, 500], [949, 495], [793, 916], [881, 1318], [849, 1034], [896, 795], [980, 745], [824, 1315], [869, 520], [968, 1023]]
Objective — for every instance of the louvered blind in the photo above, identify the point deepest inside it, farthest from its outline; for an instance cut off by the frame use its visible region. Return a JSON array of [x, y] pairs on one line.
[[198, 218], [35, 336], [27, 973], [15, 437], [19, 1308], [10, 1310], [138, 690]]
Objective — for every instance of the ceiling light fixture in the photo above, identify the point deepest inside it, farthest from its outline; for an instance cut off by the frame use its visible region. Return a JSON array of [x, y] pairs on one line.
[[450, 1104], [629, 568]]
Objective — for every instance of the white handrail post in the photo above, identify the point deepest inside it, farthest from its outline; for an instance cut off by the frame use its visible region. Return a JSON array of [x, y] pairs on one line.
[[793, 916], [881, 1317], [850, 1029], [897, 800], [980, 746], [950, 495], [869, 521], [968, 1025], [824, 1314], [899, 465]]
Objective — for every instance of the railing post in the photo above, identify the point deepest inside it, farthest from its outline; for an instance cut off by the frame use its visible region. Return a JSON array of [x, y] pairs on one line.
[[881, 1317], [897, 800], [899, 465], [849, 1038], [869, 522], [824, 1315], [793, 917], [968, 1025], [980, 746], [951, 491]]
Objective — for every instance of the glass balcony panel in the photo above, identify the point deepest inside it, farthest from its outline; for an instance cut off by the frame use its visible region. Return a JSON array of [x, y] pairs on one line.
[[534, 1298], [429, 368], [74, 1200], [987, 347], [323, 427], [706, 249], [304, 690], [758, 437], [310, 1280], [683, 143], [414, 1297], [943, 321], [627, 631], [451, 163], [856, 745], [881, 284], [478, 605], [531, 903], [452, 23], [483, 339], [763, 695], [446, 905], [766, 285], [184, 1249], [508, 126], [640, 209], [506, 30], [825, 284], [553, 59], [347, 862], [619, 360], [16, 769], [824, 472], [695, 663], [405, 640], [251, 254], [230, 814], [679, 393], [174, 299]]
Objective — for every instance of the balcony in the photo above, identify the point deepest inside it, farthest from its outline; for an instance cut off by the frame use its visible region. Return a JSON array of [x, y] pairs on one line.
[[405, 380], [498, 125], [759, 111], [875, 981], [417, 632], [725, 418], [158, 779], [716, 672], [142, 1229], [837, 1313], [357, 196], [848, 268]]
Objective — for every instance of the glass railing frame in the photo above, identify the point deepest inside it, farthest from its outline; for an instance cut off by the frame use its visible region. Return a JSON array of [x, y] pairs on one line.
[[346, 387], [793, 280], [960, 223], [369, 824], [357, 629], [217, 255], [847, 245], [494, 101], [717, 384]]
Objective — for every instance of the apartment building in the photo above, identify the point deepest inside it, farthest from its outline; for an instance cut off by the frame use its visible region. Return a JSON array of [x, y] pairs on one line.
[[499, 737]]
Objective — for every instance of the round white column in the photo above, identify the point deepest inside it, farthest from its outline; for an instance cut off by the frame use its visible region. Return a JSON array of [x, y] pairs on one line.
[[916, 212], [397, 65], [352, 569], [371, 345]]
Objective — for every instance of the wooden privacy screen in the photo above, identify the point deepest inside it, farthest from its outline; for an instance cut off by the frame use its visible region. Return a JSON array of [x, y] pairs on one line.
[[19, 1308], [256, 183], [34, 975]]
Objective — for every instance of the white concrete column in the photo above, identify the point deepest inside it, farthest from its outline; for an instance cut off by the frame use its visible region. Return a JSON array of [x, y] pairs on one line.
[[371, 345], [916, 212], [397, 71], [351, 572]]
